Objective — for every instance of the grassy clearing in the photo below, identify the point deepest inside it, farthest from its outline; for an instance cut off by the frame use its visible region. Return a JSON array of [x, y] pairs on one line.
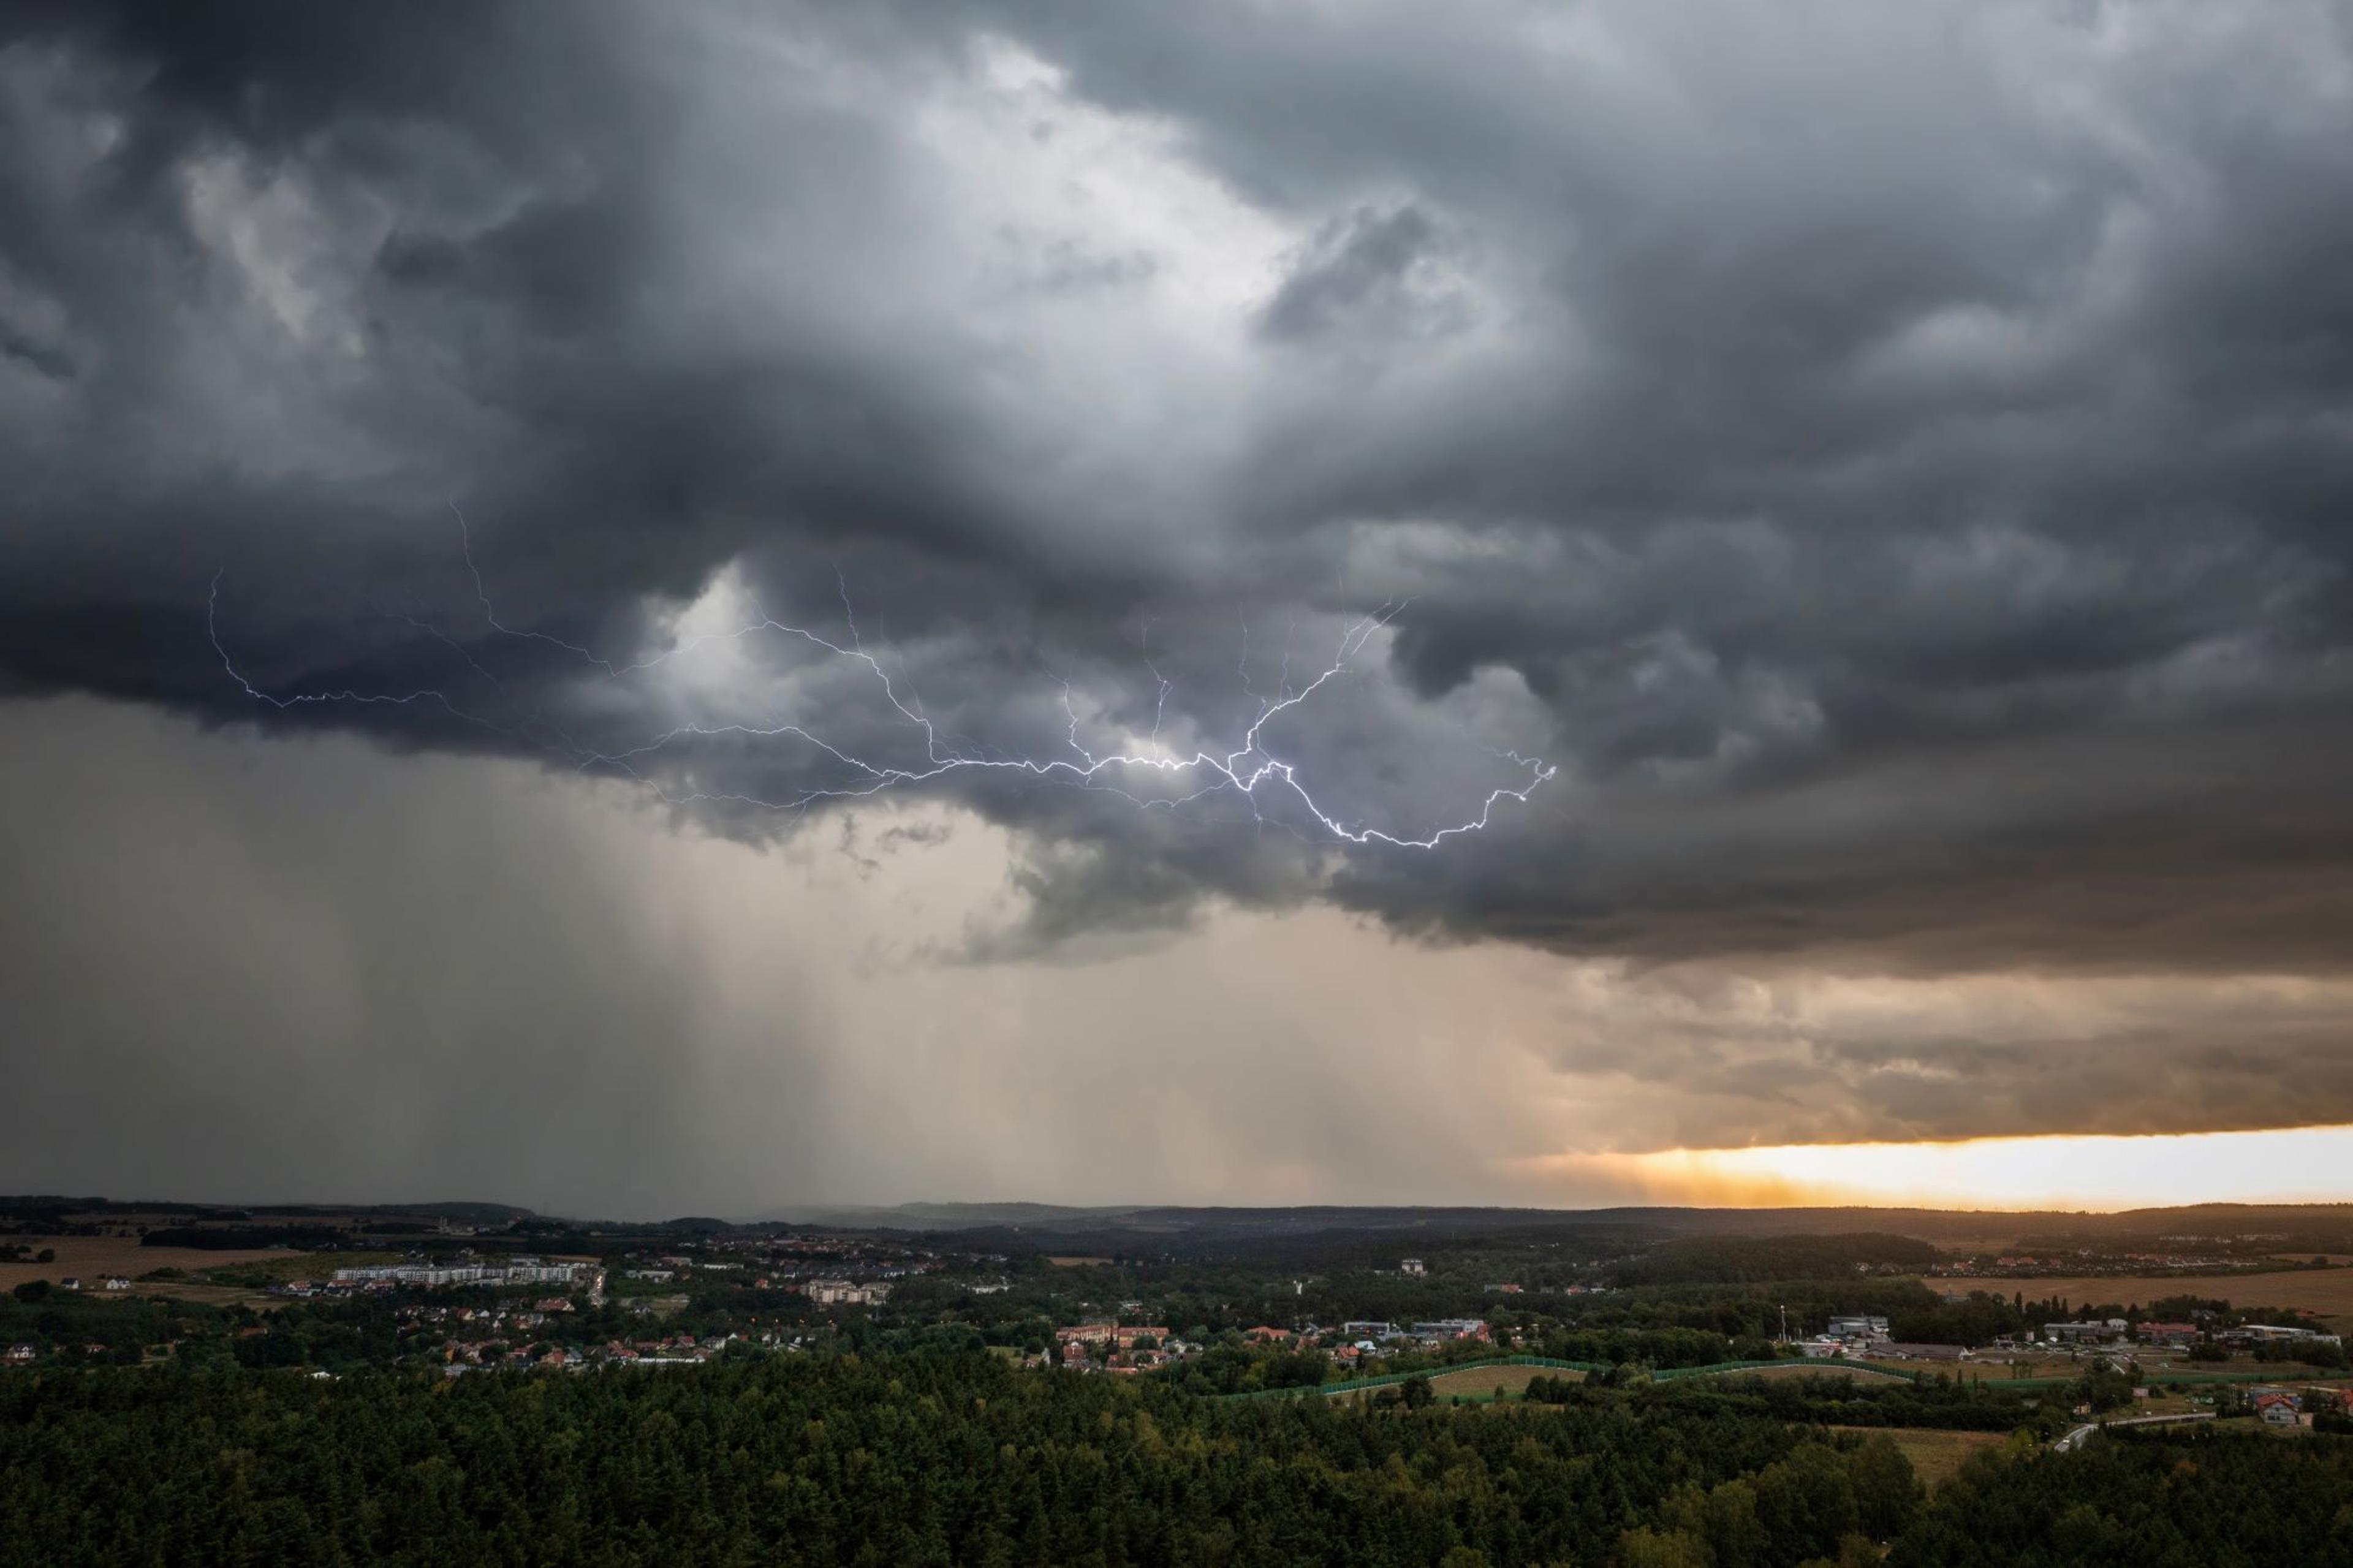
[[1487, 1382], [1937, 1457]]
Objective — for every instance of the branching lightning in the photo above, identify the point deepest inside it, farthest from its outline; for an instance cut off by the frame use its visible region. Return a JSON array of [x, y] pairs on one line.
[[1247, 770]]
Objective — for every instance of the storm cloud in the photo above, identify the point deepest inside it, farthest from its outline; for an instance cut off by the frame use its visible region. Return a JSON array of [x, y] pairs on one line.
[[1895, 464]]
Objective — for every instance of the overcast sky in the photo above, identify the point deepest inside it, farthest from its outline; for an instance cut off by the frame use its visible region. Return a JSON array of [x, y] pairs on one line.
[[535, 537]]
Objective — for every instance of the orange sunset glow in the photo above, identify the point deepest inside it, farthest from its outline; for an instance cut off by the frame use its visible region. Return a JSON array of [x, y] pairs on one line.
[[2099, 1171]]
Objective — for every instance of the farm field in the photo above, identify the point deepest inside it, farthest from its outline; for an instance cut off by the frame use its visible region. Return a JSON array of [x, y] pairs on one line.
[[1936, 1456], [90, 1256], [2326, 1291]]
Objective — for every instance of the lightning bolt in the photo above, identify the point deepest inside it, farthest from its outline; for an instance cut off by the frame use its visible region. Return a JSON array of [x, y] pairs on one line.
[[1250, 767]]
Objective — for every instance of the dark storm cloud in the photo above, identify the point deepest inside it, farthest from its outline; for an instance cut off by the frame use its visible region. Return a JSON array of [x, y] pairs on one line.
[[1360, 263], [1895, 462]]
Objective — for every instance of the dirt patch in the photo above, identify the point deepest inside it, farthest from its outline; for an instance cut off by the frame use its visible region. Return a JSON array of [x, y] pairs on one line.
[[1080, 1262]]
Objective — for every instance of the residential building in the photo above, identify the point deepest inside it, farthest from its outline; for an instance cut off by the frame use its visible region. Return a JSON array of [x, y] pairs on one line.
[[2087, 1333], [517, 1271], [1451, 1329], [1117, 1336], [2275, 1334], [2276, 1408], [1412, 1266]]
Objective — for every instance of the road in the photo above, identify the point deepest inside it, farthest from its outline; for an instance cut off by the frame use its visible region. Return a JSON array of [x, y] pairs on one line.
[[2081, 1435]]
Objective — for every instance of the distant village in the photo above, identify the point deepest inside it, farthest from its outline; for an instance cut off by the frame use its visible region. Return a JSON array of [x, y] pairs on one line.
[[1110, 1346], [467, 1299], [1864, 1337]]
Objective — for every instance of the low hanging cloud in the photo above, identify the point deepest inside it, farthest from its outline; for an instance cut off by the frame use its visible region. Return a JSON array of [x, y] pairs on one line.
[[1891, 464]]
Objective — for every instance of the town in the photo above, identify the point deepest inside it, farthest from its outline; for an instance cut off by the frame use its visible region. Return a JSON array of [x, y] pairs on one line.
[[521, 1293]]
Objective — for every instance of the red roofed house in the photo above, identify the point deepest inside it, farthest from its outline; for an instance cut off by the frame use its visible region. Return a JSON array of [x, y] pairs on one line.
[[2275, 1408]]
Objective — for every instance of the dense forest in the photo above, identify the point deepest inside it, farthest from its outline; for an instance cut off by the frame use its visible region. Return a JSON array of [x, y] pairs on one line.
[[901, 1461], [1933, 1404], [962, 1458], [1711, 1259], [2141, 1502]]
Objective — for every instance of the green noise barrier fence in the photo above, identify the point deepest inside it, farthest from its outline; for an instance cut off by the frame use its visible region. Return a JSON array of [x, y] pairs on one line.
[[1659, 1374], [1723, 1368]]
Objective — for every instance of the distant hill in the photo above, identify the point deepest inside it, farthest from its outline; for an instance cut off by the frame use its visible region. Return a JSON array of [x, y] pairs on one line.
[[471, 1213], [1373, 1229], [1337, 1235], [941, 1217]]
